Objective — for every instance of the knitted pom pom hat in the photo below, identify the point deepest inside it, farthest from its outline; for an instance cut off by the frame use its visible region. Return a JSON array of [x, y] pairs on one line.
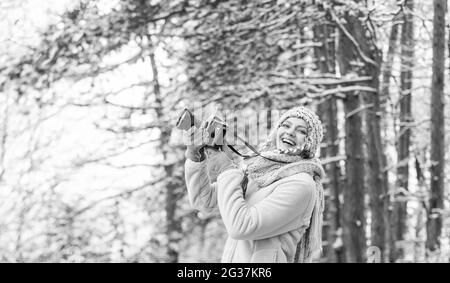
[[314, 135]]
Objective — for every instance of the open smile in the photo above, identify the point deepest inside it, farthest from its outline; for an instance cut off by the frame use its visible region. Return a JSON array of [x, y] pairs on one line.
[[288, 141]]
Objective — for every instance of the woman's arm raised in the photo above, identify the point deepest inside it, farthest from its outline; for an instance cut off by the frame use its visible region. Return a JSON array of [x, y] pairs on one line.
[[202, 194]]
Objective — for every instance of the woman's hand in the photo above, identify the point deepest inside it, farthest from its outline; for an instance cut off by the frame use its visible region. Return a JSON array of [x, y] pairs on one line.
[[196, 139], [223, 159]]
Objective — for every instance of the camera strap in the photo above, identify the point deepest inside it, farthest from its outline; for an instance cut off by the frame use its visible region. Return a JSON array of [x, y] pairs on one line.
[[254, 150]]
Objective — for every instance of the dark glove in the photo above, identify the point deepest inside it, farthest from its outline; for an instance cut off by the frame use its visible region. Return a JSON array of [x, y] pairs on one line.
[[196, 139]]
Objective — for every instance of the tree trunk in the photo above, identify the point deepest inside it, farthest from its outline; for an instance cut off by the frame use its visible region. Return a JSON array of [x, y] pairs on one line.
[[434, 218], [377, 182], [357, 44], [384, 99], [354, 222], [387, 70], [354, 237], [403, 152], [377, 178], [173, 227], [418, 245], [325, 55]]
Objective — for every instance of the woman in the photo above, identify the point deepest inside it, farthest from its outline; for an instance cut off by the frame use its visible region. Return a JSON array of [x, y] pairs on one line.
[[277, 215]]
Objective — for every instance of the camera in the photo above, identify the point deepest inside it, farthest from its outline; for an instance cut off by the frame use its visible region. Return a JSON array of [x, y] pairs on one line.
[[216, 128], [213, 125]]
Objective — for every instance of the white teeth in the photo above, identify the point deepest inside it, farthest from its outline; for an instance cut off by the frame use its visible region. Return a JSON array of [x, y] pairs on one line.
[[288, 141]]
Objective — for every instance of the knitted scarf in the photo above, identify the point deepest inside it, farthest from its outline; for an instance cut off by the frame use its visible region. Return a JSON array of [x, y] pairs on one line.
[[264, 172]]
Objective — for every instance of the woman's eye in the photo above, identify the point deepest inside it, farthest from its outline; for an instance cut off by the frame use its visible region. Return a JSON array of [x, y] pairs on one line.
[[285, 125], [301, 131]]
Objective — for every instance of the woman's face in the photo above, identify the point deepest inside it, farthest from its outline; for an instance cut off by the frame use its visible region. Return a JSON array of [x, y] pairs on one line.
[[292, 134]]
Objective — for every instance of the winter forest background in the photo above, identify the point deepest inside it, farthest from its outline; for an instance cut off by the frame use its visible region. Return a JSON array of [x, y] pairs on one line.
[[90, 92]]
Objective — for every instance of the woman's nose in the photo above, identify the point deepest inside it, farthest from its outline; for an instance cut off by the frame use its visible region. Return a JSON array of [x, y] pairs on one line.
[[290, 131]]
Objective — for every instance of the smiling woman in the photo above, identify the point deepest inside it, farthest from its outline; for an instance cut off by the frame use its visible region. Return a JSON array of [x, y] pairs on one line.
[[272, 204], [292, 134]]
